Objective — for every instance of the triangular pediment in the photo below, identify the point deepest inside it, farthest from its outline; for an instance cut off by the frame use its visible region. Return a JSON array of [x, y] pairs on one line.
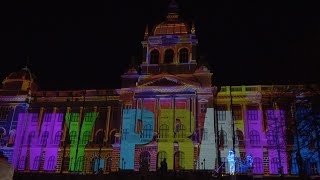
[[167, 80]]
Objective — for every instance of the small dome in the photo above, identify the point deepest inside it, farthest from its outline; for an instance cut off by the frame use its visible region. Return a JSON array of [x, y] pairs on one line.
[[23, 74], [20, 80]]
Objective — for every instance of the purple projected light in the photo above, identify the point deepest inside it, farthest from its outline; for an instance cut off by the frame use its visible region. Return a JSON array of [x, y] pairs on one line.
[[52, 145], [47, 141]]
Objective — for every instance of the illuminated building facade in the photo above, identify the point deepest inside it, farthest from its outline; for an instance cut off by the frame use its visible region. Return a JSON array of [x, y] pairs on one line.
[[168, 110]]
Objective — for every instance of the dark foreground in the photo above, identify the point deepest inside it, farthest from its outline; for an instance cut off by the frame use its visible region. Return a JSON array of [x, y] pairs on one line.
[[137, 176]]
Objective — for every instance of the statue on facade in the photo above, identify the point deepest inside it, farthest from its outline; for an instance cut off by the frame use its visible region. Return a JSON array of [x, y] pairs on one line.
[[249, 164], [231, 161]]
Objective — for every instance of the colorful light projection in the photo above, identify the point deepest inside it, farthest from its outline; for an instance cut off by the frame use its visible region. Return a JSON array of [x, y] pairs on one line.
[[34, 138], [39, 133], [137, 129], [276, 141], [77, 145], [175, 127]]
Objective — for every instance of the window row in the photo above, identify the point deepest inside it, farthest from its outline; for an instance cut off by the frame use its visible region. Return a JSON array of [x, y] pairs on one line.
[[51, 164], [169, 55], [4, 112], [44, 137]]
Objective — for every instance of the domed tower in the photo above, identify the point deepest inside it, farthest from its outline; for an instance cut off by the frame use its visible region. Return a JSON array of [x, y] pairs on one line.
[[171, 46], [21, 81]]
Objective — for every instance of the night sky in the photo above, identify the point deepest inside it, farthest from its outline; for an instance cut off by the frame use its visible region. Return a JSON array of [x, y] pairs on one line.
[[244, 42]]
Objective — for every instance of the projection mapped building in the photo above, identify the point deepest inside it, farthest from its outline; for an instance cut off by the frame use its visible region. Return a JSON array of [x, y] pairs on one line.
[[171, 109]]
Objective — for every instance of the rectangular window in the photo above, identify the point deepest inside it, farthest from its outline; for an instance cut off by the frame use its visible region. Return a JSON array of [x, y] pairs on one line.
[[252, 112], [203, 107], [314, 168], [205, 134], [237, 112], [222, 112], [46, 117], [124, 134]]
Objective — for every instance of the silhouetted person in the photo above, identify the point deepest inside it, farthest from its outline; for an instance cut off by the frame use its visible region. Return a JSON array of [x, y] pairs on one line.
[[144, 168], [164, 167], [6, 168]]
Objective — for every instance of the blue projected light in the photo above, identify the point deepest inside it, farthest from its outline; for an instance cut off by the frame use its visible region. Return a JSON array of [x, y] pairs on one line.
[[137, 129]]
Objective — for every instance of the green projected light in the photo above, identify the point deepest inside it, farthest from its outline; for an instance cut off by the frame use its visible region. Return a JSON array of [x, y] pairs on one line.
[[73, 120]]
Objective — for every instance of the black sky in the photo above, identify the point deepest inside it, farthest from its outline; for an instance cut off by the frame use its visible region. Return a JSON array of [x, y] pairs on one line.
[[245, 42]]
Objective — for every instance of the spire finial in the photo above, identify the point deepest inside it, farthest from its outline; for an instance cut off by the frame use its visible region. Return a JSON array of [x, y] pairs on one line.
[[193, 29], [173, 11], [146, 33], [173, 7]]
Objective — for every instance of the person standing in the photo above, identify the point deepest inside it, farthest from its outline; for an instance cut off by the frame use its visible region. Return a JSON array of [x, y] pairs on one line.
[[6, 168], [163, 167]]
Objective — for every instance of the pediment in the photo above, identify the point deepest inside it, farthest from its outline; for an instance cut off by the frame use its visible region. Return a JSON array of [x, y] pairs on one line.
[[167, 80]]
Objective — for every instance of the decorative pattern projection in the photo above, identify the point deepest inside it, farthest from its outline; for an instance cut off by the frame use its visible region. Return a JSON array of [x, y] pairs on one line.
[[8, 126], [180, 135], [35, 143], [208, 145], [133, 120], [77, 145]]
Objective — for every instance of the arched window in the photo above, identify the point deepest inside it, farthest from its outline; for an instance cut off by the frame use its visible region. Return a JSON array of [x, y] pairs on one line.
[[161, 156], [257, 166], [164, 130], [36, 163], [85, 137], [240, 138], [168, 56], [100, 137], [44, 138], [79, 163], [254, 137], [271, 138], [154, 57], [274, 166], [223, 138], [51, 163], [183, 55], [21, 163], [112, 137], [97, 164], [30, 137], [182, 132], [144, 158], [73, 137], [147, 131], [57, 137], [179, 159]]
